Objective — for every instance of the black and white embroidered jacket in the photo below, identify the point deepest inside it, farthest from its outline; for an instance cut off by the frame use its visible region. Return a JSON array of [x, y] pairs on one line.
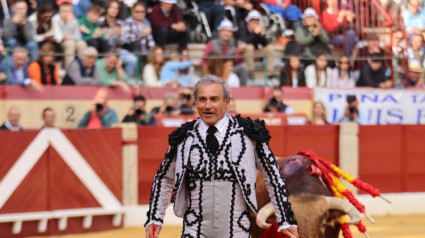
[[249, 151]]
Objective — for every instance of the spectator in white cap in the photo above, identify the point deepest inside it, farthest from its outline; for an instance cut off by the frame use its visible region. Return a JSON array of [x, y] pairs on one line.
[[214, 12], [168, 25], [225, 46], [311, 36], [255, 43]]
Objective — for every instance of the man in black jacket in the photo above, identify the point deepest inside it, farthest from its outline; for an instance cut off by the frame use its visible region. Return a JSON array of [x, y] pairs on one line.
[[375, 73], [137, 113]]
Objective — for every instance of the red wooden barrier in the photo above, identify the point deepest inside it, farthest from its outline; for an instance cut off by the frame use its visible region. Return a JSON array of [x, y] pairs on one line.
[[324, 140], [52, 185], [391, 157], [288, 140], [153, 144]]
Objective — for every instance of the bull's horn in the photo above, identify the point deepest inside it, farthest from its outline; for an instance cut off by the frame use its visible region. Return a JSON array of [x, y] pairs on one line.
[[342, 205], [263, 214]]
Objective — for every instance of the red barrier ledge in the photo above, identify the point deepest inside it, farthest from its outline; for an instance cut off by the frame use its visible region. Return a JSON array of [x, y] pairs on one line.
[[87, 93]]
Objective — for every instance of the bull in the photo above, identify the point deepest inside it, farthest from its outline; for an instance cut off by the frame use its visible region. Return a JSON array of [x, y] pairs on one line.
[[315, 209]]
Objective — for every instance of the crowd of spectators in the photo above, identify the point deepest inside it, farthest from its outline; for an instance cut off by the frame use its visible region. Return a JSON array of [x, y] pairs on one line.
[[109, 43]]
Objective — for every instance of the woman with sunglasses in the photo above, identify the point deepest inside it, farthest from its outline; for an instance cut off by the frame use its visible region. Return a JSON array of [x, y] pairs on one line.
[[343, 75]]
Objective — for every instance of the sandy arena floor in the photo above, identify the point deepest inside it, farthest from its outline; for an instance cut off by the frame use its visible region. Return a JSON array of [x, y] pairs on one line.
[[385, 227]]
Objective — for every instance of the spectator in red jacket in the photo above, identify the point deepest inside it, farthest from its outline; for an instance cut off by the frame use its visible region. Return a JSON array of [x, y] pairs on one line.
[[337, 23], [167, 25]]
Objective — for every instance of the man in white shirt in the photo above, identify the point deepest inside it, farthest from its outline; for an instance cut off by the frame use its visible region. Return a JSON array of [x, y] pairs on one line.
[[212, 164]]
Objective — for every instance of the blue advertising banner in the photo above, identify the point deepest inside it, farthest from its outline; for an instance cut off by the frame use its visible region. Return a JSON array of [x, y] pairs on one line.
[[375, 106]]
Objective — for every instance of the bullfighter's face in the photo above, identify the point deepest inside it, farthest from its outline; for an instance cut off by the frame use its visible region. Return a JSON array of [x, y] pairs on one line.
[[211, 104]]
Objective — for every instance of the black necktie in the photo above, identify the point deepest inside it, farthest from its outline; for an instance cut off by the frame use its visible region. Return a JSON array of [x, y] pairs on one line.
[[212, 142]]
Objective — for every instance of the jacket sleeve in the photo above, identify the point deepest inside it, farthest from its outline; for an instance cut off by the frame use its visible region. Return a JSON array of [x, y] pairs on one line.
[[57, 31], [85, 120], [34, 72], [175, 15], [302, 37], [161, 188], [275, 184], [310, 76], [9, 29], [173, 65], [76, 33], [155, 17], [149, 76], [29, 31], [324, 36], [110, 118]]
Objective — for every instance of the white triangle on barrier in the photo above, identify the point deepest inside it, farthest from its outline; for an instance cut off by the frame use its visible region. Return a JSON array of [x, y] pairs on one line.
[[72, 158]]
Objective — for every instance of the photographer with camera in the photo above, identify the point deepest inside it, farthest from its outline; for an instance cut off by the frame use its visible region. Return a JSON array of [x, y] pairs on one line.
[[276, 105], [186, 102], [352, 112], [99, 115], [311, 36], [138, 114], [169, 106]]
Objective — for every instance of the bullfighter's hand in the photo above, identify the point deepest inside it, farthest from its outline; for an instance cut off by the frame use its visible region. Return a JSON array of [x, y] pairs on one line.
[[149, 231], [290, 232]]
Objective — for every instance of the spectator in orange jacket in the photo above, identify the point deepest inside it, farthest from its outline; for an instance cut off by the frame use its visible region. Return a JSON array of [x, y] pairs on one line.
[[43, 71]]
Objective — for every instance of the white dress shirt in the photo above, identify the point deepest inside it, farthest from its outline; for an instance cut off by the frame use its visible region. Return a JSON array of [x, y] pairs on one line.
[[221, 126]]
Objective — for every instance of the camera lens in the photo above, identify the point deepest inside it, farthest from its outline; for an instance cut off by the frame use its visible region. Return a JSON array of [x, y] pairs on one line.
[[352, 109], [99, 107], [169, 109], [138, 112]]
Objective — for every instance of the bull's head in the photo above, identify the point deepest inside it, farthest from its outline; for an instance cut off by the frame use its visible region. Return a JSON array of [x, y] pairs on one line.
[[314, 214]]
